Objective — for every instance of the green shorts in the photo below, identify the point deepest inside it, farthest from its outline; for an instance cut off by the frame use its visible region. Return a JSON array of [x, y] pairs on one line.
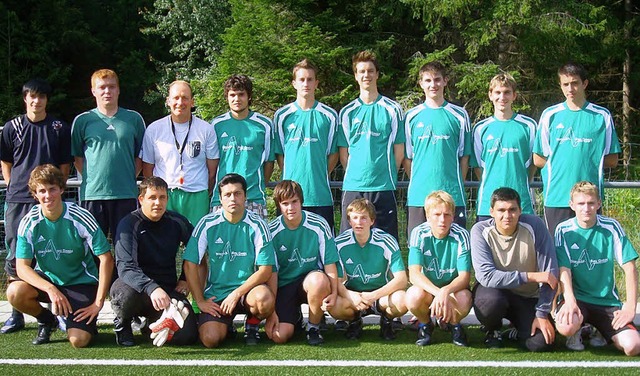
[[193, 205]]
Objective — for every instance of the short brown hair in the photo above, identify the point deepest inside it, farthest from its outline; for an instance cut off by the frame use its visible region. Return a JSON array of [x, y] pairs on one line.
[[46, 174], [437, 198], [239, 82], [362, 205], [153, 182], [287, 189], [503, 79], [433, 67], [305, 64], [586, 187], [101, 74], [364, 56]]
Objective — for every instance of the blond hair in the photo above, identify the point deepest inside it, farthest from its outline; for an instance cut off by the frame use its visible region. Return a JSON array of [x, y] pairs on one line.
[[585, 187], [503, 79], [436, 198]]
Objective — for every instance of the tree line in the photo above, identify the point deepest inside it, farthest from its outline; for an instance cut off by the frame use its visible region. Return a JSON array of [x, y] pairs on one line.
[[153, 42]]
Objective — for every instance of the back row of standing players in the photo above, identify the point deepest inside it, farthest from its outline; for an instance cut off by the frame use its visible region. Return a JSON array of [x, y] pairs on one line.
[[573, 141]]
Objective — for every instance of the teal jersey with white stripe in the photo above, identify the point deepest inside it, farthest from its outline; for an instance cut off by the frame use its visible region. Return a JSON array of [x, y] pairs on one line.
[[64, 248], [370, 267], [441, 259], [299, 251], [109, 147], [503, 149], [369, 131], [436, 140], [245, 145], [306, 138], [590, 255], [234, 250], [575, 144]]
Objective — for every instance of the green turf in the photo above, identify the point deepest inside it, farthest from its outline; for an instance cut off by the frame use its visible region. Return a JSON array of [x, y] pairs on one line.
[[370, 347]]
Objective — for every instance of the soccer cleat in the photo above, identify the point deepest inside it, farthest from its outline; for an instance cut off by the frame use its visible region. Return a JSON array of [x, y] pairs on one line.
[[574, 342], [444, 326], [44, 332], [354, 329], [314, 338], [493, 339], [511, 334], [340, 326], [424, 334], [123, 331], [459, 336], [413, 324], [251, 335], [398, 324], [386, 328], [596, 339], [13, 323]]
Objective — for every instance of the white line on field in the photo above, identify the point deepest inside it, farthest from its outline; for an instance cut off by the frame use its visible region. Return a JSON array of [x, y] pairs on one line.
[[321, 363]]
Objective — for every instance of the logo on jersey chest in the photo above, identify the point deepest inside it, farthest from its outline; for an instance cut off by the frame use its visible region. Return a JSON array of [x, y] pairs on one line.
[[569, 136], [586, 259], [296, 257], [358, 272], [434, 266], [497, 147], [297, 136], [429, 135], [234, 147], [229, 253], [51, 248]]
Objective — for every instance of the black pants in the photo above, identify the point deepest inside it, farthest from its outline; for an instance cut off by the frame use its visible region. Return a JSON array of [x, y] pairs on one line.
[[491, 305], [386, 210], [127, 303]]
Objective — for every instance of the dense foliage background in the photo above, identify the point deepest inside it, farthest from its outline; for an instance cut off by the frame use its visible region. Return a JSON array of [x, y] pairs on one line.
[[150, 43]]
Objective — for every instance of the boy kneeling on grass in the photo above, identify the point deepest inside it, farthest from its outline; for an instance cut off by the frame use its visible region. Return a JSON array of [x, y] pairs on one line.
[[63, 238], [307, 272], [439, 269], [587, 247], [374, 278]]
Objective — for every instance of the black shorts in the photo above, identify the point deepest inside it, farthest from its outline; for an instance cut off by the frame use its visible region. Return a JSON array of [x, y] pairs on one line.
[[553, 217], [13, 213], [241, 308], [416, 216], [600, 317], [108, 213], [79, 296], [289, 299], [386, 210]]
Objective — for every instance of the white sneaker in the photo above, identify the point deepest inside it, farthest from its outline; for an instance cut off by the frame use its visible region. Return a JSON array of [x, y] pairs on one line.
[[596, 339], [575, 342]]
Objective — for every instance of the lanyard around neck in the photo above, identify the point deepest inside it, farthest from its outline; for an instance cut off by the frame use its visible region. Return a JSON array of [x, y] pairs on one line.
[[179, 147]]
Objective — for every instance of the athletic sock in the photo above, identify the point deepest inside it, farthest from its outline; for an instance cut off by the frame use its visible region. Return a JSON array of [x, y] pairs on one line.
[[312, 326], [46, 317]]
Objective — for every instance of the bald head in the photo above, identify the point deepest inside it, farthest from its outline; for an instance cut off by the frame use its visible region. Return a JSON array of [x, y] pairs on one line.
[[180, 101]]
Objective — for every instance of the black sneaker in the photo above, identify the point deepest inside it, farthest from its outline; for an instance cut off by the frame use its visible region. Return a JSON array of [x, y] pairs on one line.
[[386, 328], [354, 329], [232, 332], [314, 338], [424, 334], [251, 335], [340, 326], [123, 331], [13, 323], [398, 324], [493, 339], [458, 335], [44, 332]]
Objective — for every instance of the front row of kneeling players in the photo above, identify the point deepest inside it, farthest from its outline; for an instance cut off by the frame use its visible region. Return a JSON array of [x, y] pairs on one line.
[[234, 263]]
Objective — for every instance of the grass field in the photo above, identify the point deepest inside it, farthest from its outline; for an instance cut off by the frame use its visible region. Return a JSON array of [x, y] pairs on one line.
[[336, 356]]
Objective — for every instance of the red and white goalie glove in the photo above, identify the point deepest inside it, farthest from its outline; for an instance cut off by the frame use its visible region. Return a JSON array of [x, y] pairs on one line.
[[172, 320]]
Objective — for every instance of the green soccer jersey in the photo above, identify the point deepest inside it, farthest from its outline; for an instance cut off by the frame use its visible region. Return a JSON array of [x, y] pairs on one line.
[[502, 148], [64, 248], [370, 267], [235, 250], [369, 131], [575, 144], [308, 247], [245, 145], [441, 259], [436, 140], [590, 255], [109, 147], [306, 138]]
